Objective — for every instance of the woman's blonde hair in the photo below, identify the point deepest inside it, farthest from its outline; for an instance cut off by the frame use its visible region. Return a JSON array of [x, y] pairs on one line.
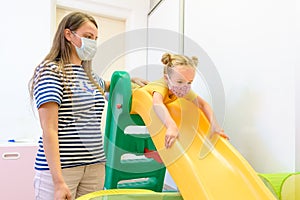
[[170, 60], [60, 52]]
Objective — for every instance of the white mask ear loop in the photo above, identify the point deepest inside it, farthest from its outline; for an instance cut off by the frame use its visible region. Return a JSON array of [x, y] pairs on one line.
[[169, 83], [169, 79], [82, 43]]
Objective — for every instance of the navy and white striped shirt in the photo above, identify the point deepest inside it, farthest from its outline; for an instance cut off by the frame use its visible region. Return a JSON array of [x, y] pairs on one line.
[[79, 115]]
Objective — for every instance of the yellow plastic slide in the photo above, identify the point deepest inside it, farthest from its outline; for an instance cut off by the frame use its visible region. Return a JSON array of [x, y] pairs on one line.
[[202, 166]]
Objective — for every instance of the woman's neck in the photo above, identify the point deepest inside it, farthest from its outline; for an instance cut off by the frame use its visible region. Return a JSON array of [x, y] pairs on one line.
[[75, 60]]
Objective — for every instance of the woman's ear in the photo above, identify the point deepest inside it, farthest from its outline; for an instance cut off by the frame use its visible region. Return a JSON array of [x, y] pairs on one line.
[[68, 34]]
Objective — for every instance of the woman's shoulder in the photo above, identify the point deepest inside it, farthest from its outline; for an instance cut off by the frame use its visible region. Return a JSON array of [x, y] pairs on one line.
[[48, 65], [47, 68]]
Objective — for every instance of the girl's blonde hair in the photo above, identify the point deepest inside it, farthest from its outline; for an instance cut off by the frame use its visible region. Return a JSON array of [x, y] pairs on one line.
[[170, 60], [60, 52]]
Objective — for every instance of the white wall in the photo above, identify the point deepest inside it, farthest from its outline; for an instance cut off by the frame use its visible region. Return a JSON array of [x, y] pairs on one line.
[[297, 137], [25, 39], [296, 24], [133, 11], [252, 44], [164, 35], [27, 32]]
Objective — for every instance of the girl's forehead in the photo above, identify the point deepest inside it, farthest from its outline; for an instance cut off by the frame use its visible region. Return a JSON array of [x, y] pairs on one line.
[[183, 71], [183, 67]]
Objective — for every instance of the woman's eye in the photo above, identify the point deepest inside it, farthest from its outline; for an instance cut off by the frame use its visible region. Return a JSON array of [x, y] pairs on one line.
[[91, 38], [88, 36]]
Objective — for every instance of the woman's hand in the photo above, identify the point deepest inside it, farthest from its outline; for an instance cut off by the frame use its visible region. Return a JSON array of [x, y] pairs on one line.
[[62, 192], [139, 81], [171, 135]]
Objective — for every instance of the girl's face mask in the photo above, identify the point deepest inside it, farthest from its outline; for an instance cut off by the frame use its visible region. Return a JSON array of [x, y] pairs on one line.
[[88, 48], [179, 90]]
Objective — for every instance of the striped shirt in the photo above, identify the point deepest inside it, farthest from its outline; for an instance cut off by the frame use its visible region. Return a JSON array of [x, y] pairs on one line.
[[79, 115]]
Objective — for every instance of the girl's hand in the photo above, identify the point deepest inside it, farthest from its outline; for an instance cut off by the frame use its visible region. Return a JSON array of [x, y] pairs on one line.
[[221, 133], [171, 135]]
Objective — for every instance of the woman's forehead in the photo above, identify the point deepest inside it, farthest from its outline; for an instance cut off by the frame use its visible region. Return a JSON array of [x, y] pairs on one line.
[[88, 27]]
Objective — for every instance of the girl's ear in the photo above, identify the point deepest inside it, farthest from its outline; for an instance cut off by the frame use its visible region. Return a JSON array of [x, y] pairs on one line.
[[166, 77], [68, 34]]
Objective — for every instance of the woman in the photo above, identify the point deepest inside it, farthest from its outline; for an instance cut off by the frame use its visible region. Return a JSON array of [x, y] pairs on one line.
[[70, 99]]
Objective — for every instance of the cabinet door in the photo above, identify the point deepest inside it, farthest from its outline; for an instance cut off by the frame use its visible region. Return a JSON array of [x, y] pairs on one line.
[[17, 172]]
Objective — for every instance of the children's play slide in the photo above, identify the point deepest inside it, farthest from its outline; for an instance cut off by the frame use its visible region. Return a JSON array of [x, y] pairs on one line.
[[203, 166]]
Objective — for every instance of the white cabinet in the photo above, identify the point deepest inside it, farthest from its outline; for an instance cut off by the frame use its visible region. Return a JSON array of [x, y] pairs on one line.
[[17, 171]]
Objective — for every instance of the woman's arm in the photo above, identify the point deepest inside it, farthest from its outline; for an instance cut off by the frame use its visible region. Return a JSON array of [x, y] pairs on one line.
[[138, 81], [162, 112], [107, 86], [48, 114]]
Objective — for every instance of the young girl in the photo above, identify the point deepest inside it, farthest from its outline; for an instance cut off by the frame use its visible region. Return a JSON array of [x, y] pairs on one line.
[[179, 73]]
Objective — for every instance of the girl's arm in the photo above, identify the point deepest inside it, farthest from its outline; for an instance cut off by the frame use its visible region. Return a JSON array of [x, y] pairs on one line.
[[162, 112], [48, 114], [208, 112]]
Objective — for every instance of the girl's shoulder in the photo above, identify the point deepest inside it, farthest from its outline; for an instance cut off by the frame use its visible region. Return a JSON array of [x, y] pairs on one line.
[[159, 83], [159, 86]]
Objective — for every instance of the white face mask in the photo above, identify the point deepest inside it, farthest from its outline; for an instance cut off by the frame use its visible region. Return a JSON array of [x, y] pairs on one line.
[[88, 48]]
